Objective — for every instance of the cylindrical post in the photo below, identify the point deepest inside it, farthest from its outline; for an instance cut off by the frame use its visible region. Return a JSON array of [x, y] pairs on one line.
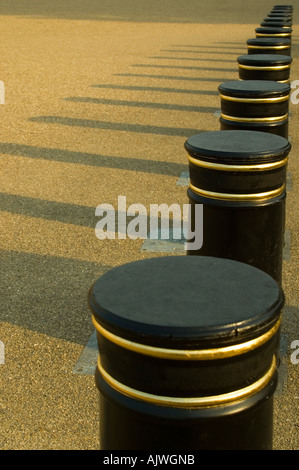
[[258, 105], [279, 19], [279, 11], [187, 354], [273, 67], [239, 178], [273, 32], [280, 14], [284, 9], [281, 46], [274, 23]]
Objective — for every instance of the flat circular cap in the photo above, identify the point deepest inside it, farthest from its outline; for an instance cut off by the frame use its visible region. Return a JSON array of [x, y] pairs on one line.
[[179, 299], [269, 41], [254, 88], [281, 11], [276, 14], [283, 19], [274, 24], [237, 147], [264, 60], [273, 30]]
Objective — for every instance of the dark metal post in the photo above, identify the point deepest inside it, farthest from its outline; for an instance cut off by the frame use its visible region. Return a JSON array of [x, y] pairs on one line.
[[187, 354], [273, 32], [285, 9], [281, 46], [279, 22], [258, 105], [272, 67], [239, 177]]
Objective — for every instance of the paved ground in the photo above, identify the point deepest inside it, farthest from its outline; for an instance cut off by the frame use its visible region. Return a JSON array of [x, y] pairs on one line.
[[99, 99]]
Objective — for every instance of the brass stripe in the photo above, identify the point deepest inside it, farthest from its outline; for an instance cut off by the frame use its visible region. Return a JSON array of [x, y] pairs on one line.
[[239, 197], [188, 355], [274, 67], [228, 167], [190, 402], [268, 47], [283, 26], [274, 99], [273, 35], [258, 119]]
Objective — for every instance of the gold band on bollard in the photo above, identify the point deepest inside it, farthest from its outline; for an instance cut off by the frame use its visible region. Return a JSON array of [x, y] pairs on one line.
[[269, 68], [257, 119], [190, 402], [241, 168], [273, 35], [275, 99], [268, 47], [239, 197], [188, 355]]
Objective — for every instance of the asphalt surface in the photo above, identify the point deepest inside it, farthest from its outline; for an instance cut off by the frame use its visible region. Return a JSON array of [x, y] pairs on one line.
[[99, 100]]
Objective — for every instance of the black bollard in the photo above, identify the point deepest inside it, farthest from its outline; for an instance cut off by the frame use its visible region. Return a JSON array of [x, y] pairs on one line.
[[273, 67], [281, 46], [239, 178], [276, 24], [273, 32], [257, 105], [188, 352], [279, 19], [283, 8], [280, 13]]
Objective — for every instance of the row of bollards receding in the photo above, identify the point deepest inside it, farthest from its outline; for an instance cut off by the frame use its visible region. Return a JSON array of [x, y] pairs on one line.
[[189, 345], [239, 176]]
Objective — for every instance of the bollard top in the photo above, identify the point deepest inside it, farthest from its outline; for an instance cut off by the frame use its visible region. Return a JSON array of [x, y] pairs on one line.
[[282, 18], [280, 24], [277, 22], [239, 147], [269, 41], [254, 88], [280, 12], [273, 30], [180, 301], [264, 60]]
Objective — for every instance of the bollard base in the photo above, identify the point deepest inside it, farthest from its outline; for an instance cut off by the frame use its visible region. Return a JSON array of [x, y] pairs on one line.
[[279, 128], [128, 424], [249, 233], [188, 350]]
